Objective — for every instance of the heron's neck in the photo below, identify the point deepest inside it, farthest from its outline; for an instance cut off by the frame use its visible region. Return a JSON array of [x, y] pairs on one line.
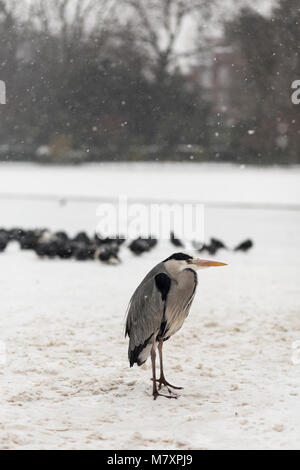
[[174, 268]]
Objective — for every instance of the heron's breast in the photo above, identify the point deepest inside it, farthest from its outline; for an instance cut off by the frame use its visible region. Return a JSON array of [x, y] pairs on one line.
[[175, 319]]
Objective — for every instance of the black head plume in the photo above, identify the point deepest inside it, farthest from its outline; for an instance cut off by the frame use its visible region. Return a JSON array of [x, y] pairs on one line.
[[179, 257]]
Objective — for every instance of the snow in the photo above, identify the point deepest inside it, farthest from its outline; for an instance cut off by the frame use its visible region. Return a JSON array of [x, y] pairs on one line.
[[178, 181], [66, 383]]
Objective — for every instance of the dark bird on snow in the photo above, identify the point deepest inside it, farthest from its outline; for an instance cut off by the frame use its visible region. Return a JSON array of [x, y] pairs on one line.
[[176, 241], [82, 237], [61, 236], [213, 247], [3, 241], [244, 246], [217, 243], [64, 249], [29, 239], [46, 250], [141, 245], [83, 252], [158, 309], [108, 254]]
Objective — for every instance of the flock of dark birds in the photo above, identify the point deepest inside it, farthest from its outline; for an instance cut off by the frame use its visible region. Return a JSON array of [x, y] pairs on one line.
[[213, 246], [82, 247]]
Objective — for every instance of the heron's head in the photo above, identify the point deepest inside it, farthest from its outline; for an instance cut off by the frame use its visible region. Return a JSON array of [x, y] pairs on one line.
[[179, 261]]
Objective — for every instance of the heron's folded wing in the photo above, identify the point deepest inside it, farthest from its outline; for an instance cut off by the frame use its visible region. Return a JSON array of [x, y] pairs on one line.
[[146, 308], [145, 313]]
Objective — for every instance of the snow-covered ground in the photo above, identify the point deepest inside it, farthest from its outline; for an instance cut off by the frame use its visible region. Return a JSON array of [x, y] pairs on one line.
[[66, 382], [156, 181]]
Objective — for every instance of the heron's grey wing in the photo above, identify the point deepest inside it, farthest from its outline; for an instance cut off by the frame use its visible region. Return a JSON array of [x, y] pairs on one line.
[[137, 297], [145, 314], [180, 298]]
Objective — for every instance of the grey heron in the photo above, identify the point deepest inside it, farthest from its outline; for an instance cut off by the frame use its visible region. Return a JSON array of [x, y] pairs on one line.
[[158, 308]]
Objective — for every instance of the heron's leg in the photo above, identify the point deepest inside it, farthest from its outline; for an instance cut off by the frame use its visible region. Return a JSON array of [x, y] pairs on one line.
[[155, 392], [162, 380]]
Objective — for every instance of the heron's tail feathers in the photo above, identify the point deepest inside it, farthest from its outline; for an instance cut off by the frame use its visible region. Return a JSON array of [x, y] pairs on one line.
[[139, 354]]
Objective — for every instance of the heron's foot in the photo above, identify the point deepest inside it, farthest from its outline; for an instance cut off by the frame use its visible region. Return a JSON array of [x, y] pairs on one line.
[[162, 381], [156, 394]]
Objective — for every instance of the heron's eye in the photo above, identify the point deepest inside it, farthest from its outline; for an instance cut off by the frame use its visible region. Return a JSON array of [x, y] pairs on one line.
[[189, 261]]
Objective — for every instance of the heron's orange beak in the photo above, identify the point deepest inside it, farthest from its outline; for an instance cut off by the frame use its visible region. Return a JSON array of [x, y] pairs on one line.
[[206, 264]]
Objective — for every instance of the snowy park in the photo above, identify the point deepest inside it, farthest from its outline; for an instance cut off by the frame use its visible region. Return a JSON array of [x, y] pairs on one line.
[[65, 377], [141, 143]]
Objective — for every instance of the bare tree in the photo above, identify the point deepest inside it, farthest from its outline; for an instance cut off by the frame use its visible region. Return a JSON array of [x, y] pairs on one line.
[[8, 39], [72, 19], [160, 23], [73, 22]]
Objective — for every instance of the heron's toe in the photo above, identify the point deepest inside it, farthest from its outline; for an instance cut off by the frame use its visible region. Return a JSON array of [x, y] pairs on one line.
[[156, 394]]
